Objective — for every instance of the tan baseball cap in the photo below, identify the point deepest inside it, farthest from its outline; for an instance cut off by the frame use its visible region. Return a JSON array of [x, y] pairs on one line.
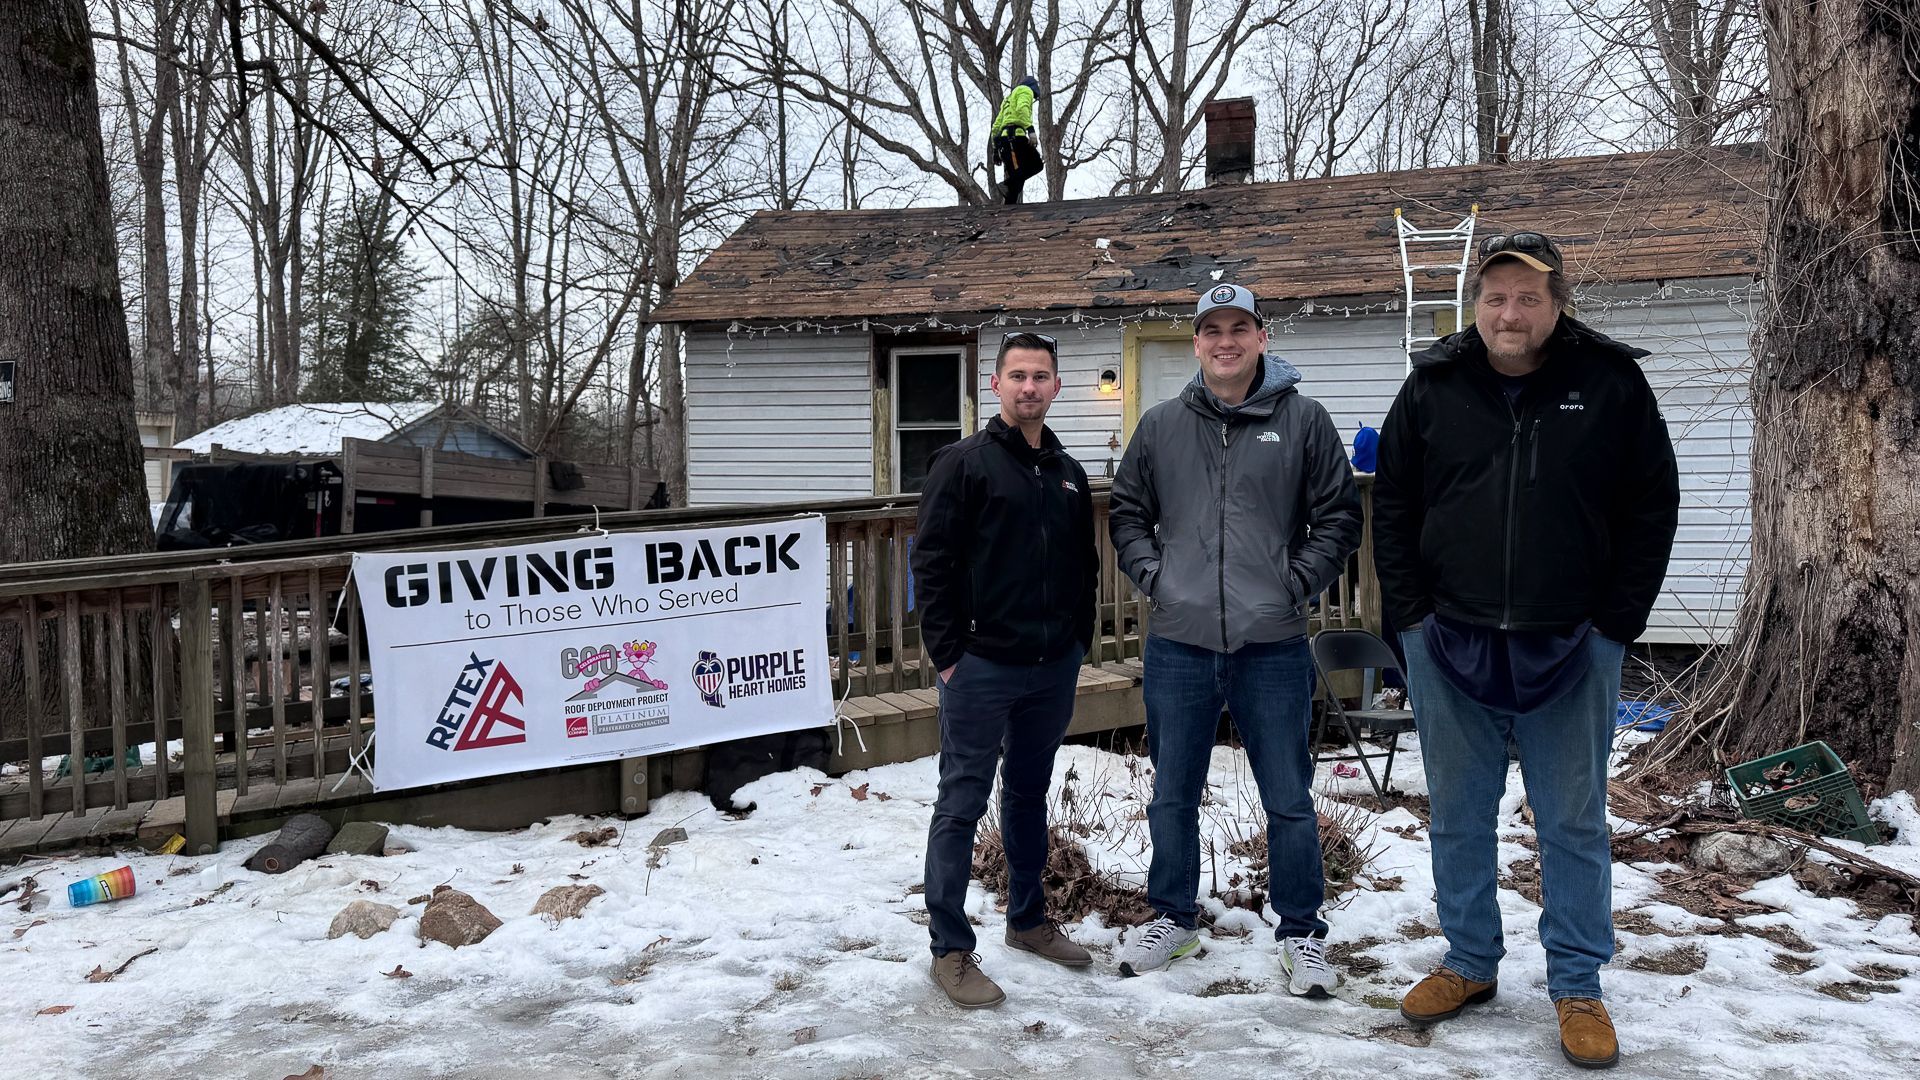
[[1534, 249]]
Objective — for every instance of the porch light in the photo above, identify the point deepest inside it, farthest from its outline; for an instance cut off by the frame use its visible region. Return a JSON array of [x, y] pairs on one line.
[[1109, 381]]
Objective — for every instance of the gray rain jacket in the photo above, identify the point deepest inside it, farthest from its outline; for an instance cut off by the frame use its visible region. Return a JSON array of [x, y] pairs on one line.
[[1230, 518]]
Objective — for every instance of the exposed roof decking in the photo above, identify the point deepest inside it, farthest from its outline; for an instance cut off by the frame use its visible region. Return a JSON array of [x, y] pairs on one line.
[[1620, 218]]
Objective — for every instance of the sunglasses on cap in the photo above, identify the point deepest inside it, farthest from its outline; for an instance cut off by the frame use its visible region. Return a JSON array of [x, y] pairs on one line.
[[1526, 243], [1052, 345]]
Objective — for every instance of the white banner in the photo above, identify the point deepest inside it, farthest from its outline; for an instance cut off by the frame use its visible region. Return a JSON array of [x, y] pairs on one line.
[[500, 660]]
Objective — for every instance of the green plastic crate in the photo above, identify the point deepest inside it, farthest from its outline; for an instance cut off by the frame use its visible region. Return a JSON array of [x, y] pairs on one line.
[[1811, 772]]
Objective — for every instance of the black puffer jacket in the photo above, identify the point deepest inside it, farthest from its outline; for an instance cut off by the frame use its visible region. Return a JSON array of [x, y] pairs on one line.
[[1003, 559], [1534, 515]]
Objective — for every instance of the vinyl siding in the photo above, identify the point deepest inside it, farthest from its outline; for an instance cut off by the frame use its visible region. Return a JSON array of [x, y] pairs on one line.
[[1082, 417], [778, 419]]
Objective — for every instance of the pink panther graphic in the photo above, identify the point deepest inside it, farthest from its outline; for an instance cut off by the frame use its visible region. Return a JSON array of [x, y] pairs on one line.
[[637, 655]]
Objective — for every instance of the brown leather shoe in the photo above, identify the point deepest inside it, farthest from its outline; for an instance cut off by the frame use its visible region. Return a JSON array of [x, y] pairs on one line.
[[1586, 1033], [1442, 995], [959, 974], [1047, 940]]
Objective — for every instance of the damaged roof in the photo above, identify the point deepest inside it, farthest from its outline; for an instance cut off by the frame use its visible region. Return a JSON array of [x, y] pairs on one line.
[[1618, 218]]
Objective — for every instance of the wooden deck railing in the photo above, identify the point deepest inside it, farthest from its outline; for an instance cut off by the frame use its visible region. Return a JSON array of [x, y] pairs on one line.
[[254, 658]]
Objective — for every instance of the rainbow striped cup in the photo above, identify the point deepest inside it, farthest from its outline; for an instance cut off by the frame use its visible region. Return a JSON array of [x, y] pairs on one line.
[[112, 885]]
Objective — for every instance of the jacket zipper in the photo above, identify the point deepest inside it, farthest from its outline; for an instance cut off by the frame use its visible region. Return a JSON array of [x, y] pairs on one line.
[[1046, 562], [1533, 452], [1513, 481], [1224, 644]]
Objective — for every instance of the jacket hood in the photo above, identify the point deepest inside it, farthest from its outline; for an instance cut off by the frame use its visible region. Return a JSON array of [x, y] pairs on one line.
[[1569, 335], [1278, 377]]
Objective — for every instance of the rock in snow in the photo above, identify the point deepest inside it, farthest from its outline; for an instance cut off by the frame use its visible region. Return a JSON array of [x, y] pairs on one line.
[[362, 919], [454, 918], [1741, 853], [566, 901]]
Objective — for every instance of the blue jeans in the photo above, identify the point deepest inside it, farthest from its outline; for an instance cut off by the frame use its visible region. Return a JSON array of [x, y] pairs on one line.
[[1563, 759], [1267, 687], [1012, 716]]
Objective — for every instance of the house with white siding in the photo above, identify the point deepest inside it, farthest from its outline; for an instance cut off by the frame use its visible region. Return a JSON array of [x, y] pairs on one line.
[[828, 353]]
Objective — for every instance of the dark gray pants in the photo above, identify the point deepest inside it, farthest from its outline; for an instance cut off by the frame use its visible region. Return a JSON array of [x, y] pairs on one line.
[[1012, 716]]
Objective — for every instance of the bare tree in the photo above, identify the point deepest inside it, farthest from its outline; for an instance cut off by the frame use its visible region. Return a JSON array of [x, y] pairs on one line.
[[1695, 67], [1330, 77], [1176, 63], [920, 79]]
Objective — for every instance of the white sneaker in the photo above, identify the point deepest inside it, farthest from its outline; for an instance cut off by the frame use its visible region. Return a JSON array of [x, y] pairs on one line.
[[1308, 973], [1159, 943]]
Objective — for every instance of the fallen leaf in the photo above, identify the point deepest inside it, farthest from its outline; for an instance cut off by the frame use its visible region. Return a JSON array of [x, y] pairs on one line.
[[578, 877], [805, 1035], [398, 972], [605, 834], [1036, 1027], [21, 932], [517, 869], [882, 796], [818, 788], [315, 1073], [370, 884], [54, 1010], [651, 945], [859, 793], [421, 899]]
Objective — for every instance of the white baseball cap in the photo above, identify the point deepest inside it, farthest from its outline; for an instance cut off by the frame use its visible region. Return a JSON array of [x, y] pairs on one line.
[[1226, 296]]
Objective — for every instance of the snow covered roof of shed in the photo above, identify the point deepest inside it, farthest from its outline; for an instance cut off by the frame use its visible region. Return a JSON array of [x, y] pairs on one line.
[[314, 428], [1619, 218]]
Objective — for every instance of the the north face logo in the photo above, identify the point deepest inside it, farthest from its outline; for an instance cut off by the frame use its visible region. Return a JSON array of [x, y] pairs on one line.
[[1269, 436]]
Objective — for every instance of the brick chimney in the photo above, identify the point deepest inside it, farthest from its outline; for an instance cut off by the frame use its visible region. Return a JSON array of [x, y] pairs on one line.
[[1229, 141]]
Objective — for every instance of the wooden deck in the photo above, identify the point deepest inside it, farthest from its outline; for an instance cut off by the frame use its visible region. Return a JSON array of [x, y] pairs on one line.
[[895, 726]]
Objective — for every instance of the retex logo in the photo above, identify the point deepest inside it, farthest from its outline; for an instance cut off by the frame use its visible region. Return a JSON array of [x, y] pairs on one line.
[[475, 715]]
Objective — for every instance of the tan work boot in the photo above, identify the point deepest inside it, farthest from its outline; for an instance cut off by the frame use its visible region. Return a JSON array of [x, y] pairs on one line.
[[1586, 1033], [958, 973], [1047, 940], [1442, 995]]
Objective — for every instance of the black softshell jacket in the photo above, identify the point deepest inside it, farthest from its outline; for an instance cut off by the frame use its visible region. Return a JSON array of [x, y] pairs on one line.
[[1531, 515], [1003, 558]]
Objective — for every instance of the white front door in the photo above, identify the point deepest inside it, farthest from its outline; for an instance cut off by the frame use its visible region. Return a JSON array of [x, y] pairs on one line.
[[1165, 369]]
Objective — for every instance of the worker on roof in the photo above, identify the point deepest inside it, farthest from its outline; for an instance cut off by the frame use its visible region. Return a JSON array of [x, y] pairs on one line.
[[1012, 148]]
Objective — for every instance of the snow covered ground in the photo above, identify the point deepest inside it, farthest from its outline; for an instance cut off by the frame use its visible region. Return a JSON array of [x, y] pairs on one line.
[[791, 943]]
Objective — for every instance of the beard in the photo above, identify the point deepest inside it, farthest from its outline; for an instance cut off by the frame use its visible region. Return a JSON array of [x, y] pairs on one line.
[[1527, 355]]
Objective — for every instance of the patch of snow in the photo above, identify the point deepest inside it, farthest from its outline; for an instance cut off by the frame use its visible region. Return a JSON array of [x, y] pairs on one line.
[[791, 943], [316, 428]]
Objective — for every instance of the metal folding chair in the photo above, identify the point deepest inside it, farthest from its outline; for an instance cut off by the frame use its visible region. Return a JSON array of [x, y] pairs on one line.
[[1335, 651]]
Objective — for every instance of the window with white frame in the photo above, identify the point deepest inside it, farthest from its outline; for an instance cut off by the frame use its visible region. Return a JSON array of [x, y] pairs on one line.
[[929, 401]]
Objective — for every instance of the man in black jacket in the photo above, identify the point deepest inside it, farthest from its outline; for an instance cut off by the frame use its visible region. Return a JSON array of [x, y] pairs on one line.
[[1524, 509], [1004, 574]]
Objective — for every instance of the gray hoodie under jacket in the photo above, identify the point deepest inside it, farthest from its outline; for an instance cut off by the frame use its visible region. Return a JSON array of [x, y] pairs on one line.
[[1228, 518]]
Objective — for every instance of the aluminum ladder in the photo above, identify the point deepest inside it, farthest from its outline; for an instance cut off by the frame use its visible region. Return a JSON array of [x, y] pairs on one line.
[[1418, 249]]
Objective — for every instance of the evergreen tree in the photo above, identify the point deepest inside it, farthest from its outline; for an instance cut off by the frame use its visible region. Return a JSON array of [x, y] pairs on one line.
[[360, 309]]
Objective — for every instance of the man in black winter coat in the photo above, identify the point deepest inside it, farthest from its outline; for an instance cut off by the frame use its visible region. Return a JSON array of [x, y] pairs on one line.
[[1004, 573], [1524, 508]]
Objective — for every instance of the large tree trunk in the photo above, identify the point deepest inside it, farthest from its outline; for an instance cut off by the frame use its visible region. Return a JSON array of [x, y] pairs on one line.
[[1829, 638], [71, 483]]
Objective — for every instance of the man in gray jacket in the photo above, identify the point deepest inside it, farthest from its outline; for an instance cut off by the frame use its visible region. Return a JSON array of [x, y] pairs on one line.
[[1233, 506]]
